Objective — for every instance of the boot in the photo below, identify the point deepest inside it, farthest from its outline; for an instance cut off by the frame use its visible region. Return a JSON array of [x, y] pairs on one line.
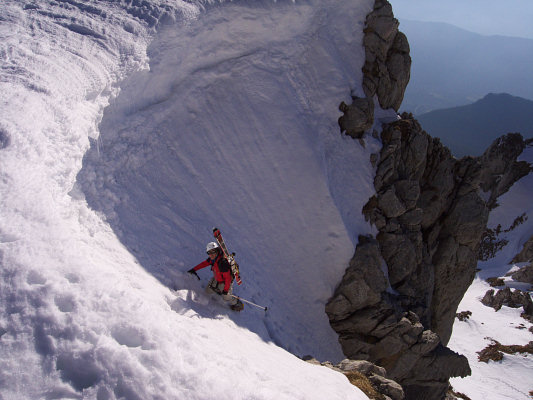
[[238, 306]]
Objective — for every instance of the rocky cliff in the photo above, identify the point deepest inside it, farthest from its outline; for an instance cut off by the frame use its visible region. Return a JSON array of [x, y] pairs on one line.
[[387, 65], [386, 70], [398, 299]]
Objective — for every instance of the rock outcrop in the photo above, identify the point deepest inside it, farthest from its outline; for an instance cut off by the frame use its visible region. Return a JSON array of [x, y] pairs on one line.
[[493, 240], [358, 117], [370, 378], [398, 298], [430, 219], [510, 298], [386, 71], [524, 274], [374, 325], [501, 168], [526, 254], [387, 61]]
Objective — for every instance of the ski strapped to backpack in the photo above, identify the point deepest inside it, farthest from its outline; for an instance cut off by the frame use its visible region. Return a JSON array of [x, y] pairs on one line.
[[230, 257]]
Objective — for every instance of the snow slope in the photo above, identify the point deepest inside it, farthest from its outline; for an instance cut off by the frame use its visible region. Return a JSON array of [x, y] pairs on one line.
[[224, 115], [510, 378], [236, 128]]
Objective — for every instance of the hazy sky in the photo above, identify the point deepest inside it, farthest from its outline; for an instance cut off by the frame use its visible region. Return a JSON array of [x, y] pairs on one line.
[[488, 17]]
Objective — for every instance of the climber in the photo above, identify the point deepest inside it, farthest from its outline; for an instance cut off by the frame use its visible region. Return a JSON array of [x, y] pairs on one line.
[[222, 281]]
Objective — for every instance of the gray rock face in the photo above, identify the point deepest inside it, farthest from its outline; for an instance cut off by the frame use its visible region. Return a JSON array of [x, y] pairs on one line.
[[510, 298], [524, 274], [358, 117], [387, 387], [364, 367], [501, 168], [376, 375], [429, 381], [525, 255], [386, 71], [431, 253], [383, 332], [387, 67], [397, 302]]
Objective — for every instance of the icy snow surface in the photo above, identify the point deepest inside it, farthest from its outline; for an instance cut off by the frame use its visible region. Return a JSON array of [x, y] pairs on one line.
[[512, 377], [122, 145]]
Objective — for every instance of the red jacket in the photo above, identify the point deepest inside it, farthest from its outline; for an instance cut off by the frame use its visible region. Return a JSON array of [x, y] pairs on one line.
[[220, 268]]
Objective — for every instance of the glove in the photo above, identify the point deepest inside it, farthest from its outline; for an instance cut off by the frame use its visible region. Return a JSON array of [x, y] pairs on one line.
[[193, 272]]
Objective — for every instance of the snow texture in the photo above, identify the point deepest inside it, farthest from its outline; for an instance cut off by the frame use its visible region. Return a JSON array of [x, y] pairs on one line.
[[129, 130]]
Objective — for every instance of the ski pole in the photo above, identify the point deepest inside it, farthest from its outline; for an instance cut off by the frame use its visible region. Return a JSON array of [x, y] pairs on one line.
[[249, 302]]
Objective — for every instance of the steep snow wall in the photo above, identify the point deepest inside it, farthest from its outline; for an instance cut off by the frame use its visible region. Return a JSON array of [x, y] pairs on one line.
[[234, 126], [199, 132]]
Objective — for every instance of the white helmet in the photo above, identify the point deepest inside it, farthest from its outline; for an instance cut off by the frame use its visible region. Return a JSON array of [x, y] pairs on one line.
[[211, 246]]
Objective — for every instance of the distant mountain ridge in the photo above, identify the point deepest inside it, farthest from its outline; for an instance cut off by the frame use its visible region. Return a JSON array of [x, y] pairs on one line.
[[470, 129], [453, 67], [492, 17]]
